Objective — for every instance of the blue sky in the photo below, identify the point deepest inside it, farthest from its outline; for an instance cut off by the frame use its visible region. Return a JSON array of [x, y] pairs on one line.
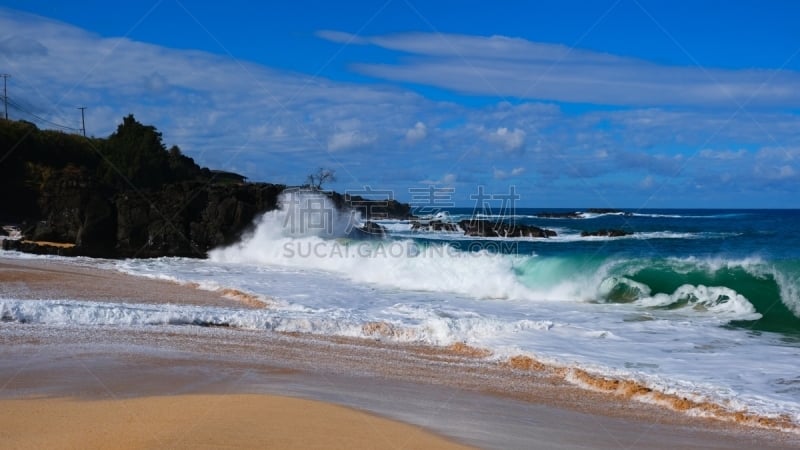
[[624, 103]]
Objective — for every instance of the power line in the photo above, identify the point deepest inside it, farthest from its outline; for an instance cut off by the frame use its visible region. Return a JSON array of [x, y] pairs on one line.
[[7, 101], [41, 119]]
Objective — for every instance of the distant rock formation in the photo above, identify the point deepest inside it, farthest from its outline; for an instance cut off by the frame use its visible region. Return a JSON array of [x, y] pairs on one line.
[[559, 215], [435, 225], [579, 214], [606, 233], [485, 228], [608, 211]]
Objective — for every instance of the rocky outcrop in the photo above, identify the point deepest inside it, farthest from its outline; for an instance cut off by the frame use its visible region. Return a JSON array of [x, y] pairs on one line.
[[606, 211], [74, 209], [370, 229], [188, 219], [435, 225], [606, 233], [579, 214], [180, 219], [378, 207], [485, 228], [559, 215]]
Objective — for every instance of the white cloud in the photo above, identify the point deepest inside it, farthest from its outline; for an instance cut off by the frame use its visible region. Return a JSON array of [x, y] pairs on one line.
[[499, 174], [509, 139], [513, 67], [344, 140], [340, 37], [21, 46], [770, 173], [786, 172], [417, 133], [446, 181], [779, 153], [156, 83], [647, 182], [723, 154]]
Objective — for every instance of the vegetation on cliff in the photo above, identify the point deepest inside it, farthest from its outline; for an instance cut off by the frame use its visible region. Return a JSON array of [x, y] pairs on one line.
[[123, 196]]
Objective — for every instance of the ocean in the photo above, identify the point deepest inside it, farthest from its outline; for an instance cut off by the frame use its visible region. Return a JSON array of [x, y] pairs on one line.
[[699, 304]]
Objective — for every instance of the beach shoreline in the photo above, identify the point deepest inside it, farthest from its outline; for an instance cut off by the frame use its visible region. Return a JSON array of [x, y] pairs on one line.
[[166, 361]]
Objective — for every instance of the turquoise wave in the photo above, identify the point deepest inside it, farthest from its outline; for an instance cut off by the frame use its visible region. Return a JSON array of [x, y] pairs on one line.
[[772, 288]]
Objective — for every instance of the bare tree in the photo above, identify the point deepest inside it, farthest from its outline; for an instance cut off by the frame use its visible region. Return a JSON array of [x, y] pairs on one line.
[[321, 176]]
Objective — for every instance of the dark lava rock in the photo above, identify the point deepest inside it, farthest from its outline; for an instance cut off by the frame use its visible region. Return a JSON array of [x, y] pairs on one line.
[[559, 215], [608, 211], [606, 233], [179, 219], [435, 225], [188, 219], [485, 228], [371, 229]]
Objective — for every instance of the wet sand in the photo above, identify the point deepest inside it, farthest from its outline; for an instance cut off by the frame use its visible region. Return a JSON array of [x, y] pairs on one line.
[[38, 279], [453, 392]]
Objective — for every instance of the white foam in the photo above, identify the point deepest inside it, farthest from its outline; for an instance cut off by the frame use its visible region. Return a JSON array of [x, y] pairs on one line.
[[718, 300], [397, 264]]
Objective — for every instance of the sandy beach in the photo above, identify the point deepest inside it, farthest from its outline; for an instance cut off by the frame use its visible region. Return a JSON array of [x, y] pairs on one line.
[[203, 421], [144, 387]]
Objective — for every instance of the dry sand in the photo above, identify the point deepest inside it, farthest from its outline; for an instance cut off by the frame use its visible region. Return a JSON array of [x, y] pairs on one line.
[[202, 421], [453, 391]]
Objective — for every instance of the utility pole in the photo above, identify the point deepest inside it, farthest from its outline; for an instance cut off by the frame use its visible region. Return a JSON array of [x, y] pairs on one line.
[[5, 92], [83, 121]]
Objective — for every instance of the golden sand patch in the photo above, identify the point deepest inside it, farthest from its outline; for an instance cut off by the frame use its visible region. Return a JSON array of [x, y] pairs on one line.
[[462, 349], [632, 390], [252, 300], [521, 362], [202, 421], [384, 329], [50, 243], [379, 329]]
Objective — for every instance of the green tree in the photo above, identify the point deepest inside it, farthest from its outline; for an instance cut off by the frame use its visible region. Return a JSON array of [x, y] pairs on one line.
[[182, 167], [135, 155]]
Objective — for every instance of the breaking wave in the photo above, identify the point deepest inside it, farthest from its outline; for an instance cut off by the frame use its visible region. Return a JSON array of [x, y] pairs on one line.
[[758, 294]]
